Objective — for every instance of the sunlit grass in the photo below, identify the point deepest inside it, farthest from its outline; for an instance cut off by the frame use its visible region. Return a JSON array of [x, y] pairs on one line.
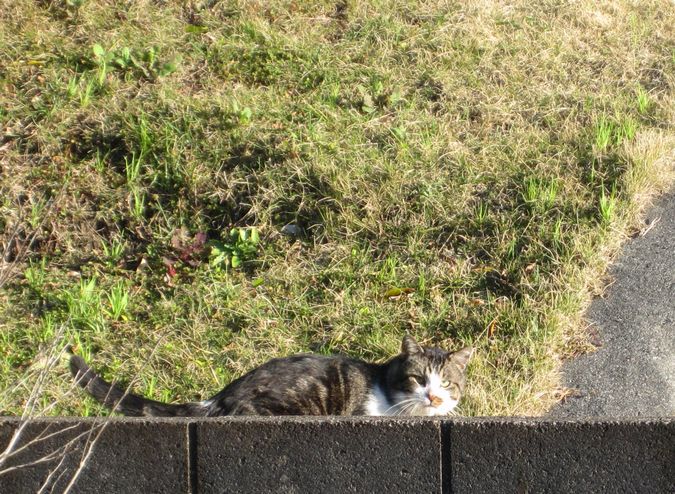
[[190, 190]]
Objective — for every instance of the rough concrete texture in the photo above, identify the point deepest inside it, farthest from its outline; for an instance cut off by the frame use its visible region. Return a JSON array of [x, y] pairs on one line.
[[127, 456], [545, 456], [330, 455], [285, 454], [632, 374]]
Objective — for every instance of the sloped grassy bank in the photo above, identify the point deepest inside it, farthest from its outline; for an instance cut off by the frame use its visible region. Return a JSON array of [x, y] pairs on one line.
[[191, 189]]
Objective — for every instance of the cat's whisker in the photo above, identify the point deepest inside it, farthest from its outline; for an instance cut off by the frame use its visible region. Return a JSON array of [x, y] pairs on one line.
[[399, 404], [402, 409], [411, 405]]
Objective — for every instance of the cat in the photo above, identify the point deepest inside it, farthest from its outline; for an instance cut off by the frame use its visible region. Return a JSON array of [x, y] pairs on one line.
[[419, 381]]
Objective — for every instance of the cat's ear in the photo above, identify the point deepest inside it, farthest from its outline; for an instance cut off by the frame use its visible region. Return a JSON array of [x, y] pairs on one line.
[[461, 357], [409, 346]]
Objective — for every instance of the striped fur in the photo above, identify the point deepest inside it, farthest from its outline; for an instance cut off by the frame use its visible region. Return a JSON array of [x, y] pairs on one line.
[[418, 381]]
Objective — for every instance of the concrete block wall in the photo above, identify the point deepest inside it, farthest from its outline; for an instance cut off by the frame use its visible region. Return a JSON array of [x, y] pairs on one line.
[[240, 455]]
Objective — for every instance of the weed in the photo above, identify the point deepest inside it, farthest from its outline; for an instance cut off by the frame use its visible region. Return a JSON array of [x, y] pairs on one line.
[[241, 246], [133, 167], [540, 194], [242, 115], [113, 252], [481, 215], [626, 130], [607, 205], [558, 234], [83, 304], [86, 93], [73, 87], [137, 200], [144, 138], [614, 131], [604, 129], [145, 64], [124, 60], [102, 58], [37, 212], [118, 300], [100, 161], [388, 269], [643, 101], [35, 274]]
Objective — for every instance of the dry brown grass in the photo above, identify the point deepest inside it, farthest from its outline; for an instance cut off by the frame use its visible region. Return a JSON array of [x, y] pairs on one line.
[[492, 157]]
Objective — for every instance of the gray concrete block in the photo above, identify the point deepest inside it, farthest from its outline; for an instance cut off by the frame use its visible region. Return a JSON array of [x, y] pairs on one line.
[[294, 455], [127, 456], [545, 456]]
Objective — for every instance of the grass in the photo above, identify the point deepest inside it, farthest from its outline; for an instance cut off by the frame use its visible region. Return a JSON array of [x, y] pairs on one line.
[[190, 189]]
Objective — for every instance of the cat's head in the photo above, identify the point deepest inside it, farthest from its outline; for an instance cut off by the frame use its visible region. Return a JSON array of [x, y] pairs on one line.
[[427, 381]]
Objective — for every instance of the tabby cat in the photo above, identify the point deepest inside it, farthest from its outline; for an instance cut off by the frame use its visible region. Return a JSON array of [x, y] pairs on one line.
[[418, 381]]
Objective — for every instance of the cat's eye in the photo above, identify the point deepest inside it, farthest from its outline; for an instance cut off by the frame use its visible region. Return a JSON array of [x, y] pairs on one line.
[[445, 384], [415, 379]]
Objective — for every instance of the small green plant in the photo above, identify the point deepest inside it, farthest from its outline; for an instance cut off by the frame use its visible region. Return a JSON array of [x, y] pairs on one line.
[[399, 134], [333, 97], [151, 386], [118, 300], [124, 60], [37, 209], [607, 205], [35, 274], [86, 293], [86, 93], [48, 327], [481, 213], [374, 96], [82, 346], [604, 128], [153, 67], [113, 252], [613, 131], [549, 194], [100, 161], [643, 100], [137, 204], [73, 87], [102, 58], [540, 194], [558, 234], [84, 306], [133, 167], [145, 64], [242, 246], [626, 130], [376, 87], [531, 192], [144, 136], [387, 272], [242, 115]]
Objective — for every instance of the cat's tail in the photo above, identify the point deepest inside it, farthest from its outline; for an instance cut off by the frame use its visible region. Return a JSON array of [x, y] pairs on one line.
[[124, 402]]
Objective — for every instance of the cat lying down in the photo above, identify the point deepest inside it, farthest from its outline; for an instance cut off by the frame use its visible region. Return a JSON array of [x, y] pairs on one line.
[[418, 381]]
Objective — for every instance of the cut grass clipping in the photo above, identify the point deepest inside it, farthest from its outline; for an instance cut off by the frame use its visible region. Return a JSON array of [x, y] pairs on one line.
[[189, 189]]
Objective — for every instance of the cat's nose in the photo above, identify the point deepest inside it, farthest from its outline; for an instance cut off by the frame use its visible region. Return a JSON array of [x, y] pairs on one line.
[[435, 400]]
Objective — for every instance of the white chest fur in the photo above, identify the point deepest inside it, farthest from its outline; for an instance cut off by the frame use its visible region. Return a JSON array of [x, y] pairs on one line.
[[377, 404]]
